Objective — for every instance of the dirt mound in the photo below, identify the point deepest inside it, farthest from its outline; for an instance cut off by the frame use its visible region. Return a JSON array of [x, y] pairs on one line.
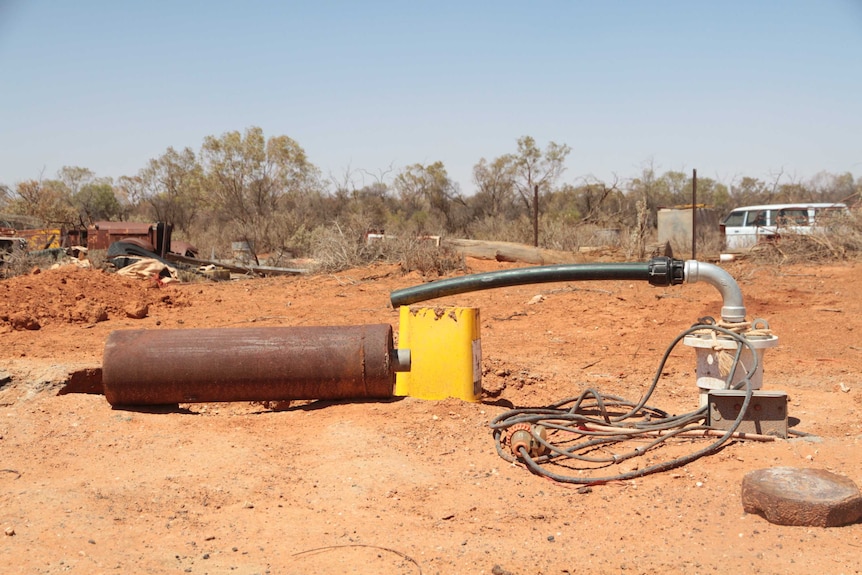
[[77, 295]]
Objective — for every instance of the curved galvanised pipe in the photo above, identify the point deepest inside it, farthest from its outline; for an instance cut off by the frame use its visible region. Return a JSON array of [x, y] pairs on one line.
[[732, 309], [659, 271]]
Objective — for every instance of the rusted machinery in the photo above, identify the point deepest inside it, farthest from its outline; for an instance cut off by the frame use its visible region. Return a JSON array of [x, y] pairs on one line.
[[152, 367]]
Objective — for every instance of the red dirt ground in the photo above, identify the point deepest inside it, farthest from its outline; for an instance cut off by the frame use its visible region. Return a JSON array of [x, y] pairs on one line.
[[409, 486]]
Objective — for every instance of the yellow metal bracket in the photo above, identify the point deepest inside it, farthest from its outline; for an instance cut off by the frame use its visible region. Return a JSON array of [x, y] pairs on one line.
[[446, 353]]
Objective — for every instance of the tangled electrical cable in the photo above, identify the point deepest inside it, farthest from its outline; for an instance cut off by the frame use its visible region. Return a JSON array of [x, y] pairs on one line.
[[592, 422]]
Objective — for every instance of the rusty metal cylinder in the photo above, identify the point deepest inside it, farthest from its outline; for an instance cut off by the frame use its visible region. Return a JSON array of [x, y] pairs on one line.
[[153, 367]]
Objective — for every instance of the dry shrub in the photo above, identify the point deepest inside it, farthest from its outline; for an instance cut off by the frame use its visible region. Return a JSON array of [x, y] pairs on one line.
[[20, 262], [427, 258], [336, 249], [16, 263], [555, 233], [98, 258], [560, 234], [799, 248], [710, 242], [840, 239], [211, 240], [502, 229]]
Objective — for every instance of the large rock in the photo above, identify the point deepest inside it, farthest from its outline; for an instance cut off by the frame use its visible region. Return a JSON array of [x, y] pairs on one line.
[[793, 496]]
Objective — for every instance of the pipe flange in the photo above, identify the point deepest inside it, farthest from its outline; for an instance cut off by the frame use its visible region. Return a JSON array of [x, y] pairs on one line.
[[510, 431], [532, 438], [519, 435]]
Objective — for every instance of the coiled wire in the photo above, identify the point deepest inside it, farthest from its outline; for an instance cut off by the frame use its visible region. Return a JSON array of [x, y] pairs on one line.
[[591, 423]]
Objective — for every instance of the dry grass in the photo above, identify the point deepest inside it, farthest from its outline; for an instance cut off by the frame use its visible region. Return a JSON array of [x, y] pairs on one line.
[[20, 262], [336, 249], [427, 258]]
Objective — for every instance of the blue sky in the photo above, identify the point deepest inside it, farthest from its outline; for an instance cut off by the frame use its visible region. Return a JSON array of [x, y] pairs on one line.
[[731, 88]]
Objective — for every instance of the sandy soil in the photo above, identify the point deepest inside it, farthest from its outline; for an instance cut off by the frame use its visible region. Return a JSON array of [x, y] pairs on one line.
[[409, 486]]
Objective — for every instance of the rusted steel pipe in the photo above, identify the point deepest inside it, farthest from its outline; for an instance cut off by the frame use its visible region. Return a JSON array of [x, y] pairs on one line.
[[152, 367]]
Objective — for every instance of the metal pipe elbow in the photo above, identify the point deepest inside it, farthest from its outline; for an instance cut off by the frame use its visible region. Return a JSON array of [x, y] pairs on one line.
[[732, 309]]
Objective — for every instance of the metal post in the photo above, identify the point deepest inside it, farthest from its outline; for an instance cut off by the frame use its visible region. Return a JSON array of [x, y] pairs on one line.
[[694, 214], [536, 215]]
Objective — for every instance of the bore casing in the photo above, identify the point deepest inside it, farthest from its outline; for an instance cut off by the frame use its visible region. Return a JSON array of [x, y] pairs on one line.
[[153, 367]]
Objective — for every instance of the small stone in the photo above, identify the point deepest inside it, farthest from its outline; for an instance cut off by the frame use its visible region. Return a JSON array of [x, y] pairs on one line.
[[493, 386], [248, 505], [89, 312], [9, 531], [36, 270], [551, 538], [137, 310]]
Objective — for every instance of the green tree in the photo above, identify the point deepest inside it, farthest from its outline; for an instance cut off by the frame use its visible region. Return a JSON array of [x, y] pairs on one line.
[[430, 200], [496, 194], [371, 204], [748, 191], [676, 189], [130, 192], [46, 200], [536, 173], [796, 191], [96, 201], [497, 213], [834, 188], [171, 185], [75, 178], [713, 193], [264, 190], [599, 203], [6, 194], [648, 191]]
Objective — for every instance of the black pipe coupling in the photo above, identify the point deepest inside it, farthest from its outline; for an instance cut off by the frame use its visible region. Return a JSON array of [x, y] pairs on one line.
[[665, 271]]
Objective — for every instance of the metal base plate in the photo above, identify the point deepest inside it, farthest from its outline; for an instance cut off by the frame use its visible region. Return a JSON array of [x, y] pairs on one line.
[[766, 413]]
